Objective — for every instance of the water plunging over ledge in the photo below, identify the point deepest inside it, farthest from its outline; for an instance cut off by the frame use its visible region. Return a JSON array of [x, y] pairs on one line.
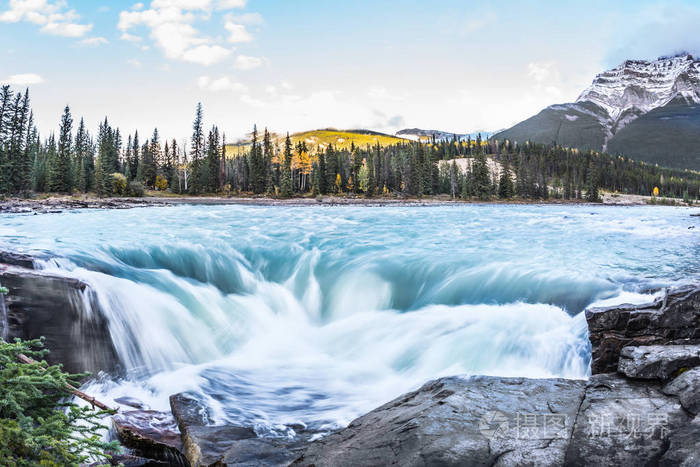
[[276, 316]]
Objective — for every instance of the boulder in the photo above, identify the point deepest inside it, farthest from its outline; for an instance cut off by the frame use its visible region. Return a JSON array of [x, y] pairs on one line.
[[62, 310], [684, 446], [687, 388], [208, 445], [657, 361], [480, 420], [150, 434], [670, 320], [623, 422], [11, 258]]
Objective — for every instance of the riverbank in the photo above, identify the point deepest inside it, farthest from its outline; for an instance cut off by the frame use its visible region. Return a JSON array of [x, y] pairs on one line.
[[59, 203]]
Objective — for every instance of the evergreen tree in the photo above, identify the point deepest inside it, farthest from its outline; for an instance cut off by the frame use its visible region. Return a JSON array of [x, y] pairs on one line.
[[213, 160], [505, 183], [286, 183], [197, 151], [60, 179], [592, 186]]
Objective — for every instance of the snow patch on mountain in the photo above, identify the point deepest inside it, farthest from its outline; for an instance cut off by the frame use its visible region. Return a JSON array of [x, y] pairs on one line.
[[639, 86]]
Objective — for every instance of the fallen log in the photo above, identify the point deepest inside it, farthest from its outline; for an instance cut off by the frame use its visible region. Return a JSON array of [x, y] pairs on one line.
[[73, 390]]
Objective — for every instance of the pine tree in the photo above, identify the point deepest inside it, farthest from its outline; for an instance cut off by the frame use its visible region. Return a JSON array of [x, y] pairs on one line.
[[592, 184], [60, 168], [505, 183], [197, 151], [286, 183], [213, 160]]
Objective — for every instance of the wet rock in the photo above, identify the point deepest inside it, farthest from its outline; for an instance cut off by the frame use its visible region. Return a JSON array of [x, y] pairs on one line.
[[623, 422], [480, 420], [188, 411], [150, 434], [65, 312], [687, 388], [671, 320], [128, 460], [684, 446], [657, 361], [11, 258], [131, 402], [207, 445]]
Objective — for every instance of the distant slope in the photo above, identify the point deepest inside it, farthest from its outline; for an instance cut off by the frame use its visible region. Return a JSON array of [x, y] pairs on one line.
[[668, 136], [647, 110], [575, 127], [316, 139], [417, 134]]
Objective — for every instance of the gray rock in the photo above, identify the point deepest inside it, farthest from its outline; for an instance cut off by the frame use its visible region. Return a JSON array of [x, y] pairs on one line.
[[188, 411], [673, 319], [12, 258], [206, 445], [684, 446], [657, 361], [480, 420], [150, 434], [623, 422], [41, 304], [687, 388]]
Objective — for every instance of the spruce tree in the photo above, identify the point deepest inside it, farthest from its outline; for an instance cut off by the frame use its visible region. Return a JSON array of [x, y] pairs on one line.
[[505, 183], [286, 183], [197, 151], [60, 179]]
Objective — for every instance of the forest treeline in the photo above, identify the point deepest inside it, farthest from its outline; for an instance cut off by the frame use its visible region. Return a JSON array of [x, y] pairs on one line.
[[110, 164]]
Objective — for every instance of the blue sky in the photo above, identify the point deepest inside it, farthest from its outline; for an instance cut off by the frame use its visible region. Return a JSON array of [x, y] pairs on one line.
[[292, 65]]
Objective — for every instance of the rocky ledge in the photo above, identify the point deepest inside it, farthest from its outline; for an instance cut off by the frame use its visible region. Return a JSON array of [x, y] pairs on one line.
[[639, 407], [59, 308]]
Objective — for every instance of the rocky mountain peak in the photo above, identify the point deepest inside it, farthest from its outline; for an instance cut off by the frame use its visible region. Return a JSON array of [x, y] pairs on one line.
[[638, 86]]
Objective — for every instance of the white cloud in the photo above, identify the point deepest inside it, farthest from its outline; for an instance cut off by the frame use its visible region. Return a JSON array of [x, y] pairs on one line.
[[230, 4], [133, 62], [245, 62], [220, 84], [130, 37], [205, 54], [246, 18], [53, 17], [237, 32], [381, 93], [94, 41], [23, 79], [171, 25]]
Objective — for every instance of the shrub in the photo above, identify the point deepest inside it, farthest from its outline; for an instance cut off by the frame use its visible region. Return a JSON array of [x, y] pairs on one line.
[[118, 184], [136, 189], [161, 183], [38, 423]]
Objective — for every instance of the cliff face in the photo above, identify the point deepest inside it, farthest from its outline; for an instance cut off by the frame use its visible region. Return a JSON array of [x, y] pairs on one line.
[[61, 310]]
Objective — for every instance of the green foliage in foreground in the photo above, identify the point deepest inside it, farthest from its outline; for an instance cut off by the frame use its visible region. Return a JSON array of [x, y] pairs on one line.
[[38, 423]]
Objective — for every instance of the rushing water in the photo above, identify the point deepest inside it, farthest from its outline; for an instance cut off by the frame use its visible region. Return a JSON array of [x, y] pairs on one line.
[[317, 314]]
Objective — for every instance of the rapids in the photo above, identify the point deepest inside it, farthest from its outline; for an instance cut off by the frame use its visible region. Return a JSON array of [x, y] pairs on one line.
[[314, 315]]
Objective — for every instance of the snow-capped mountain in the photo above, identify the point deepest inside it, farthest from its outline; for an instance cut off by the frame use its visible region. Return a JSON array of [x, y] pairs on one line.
[[641, 86], [625, 109], [417, 134]]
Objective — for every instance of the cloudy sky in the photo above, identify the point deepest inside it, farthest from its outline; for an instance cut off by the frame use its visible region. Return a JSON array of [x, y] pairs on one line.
[[293, 65]]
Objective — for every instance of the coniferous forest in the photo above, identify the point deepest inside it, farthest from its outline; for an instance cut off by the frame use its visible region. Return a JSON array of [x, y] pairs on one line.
[[110, 163]]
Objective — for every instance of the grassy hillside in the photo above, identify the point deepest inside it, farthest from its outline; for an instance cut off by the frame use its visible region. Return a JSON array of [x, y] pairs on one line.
[[322, 138]]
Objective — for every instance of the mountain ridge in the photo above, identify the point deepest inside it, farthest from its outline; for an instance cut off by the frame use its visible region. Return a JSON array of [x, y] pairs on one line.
[[622, 111]]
